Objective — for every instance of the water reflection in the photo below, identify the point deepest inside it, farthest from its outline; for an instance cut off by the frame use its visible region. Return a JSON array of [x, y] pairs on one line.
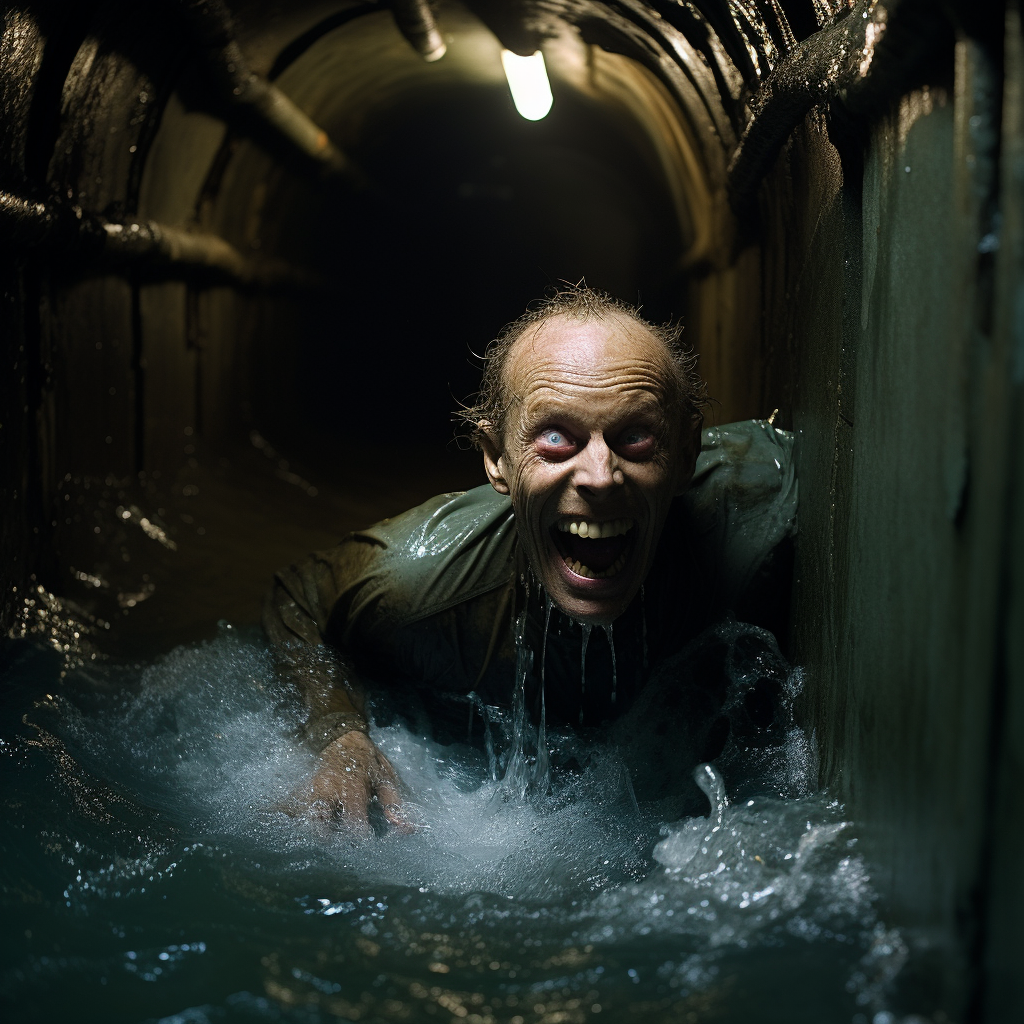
[[148, 873]]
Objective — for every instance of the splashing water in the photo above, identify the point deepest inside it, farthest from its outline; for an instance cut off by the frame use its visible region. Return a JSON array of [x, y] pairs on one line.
[[149, 874]]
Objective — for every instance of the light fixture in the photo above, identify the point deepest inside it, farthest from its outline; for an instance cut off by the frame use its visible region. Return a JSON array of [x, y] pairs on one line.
[[528, 83]]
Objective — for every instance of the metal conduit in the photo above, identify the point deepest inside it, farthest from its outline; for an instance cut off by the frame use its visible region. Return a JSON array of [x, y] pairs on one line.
[[55, 227], [259, 101], [865, 57]]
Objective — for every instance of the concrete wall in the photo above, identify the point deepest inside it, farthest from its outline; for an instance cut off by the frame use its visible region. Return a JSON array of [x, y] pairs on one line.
[[1004, 948], [893, 291], [880, 308]]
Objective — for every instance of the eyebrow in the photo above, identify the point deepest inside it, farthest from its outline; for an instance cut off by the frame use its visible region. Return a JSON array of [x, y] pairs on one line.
[[552, 407]]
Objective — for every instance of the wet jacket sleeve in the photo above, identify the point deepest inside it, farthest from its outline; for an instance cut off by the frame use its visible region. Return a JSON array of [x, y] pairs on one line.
[[300, 618]]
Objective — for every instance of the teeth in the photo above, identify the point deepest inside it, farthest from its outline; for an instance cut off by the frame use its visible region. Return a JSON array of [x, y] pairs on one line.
[[595, 531], [587, 573]]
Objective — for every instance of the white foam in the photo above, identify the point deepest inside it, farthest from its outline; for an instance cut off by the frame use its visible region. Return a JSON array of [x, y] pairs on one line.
[[206, 738]]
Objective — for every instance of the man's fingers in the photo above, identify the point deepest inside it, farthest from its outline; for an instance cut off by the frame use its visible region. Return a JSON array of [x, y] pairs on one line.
[[389, 794], [387, 768], [338, 792], [386, 778], [391, 805], [321, 811], [352, 773]]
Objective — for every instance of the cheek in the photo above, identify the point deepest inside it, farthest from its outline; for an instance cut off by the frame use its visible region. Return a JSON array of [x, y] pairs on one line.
[[657, 485], [533, 483]]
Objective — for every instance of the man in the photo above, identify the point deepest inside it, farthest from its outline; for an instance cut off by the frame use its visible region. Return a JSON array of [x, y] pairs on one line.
[[590, 427]]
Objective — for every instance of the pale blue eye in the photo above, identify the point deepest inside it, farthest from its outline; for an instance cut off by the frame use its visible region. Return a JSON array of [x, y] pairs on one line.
[[554, 438]]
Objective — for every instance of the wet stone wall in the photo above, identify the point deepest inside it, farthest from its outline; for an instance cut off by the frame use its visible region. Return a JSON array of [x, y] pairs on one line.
[[896, 314], [890, 262]]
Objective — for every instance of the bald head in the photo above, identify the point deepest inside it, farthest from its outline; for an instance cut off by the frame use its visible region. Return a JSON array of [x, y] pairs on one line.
[[685, 393], [562, 348]]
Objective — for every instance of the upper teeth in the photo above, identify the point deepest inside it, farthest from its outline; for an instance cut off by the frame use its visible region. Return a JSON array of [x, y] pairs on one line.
[[595, 531]]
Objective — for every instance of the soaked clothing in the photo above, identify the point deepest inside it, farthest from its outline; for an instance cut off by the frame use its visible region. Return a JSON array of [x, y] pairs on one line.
[[428, 604]]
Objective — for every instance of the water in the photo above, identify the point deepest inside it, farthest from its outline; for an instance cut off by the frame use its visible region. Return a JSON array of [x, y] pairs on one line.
[[585, 627], [149, 874], [610, 633]]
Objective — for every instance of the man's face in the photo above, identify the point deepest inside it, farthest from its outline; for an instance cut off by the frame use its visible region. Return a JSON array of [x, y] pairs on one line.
[[592, 456]]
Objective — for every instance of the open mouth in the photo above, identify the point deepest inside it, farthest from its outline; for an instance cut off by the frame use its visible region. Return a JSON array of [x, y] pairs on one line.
[[592, 550]]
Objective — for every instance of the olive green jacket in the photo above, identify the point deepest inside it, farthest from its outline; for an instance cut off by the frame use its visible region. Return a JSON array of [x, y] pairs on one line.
[[423, 604]]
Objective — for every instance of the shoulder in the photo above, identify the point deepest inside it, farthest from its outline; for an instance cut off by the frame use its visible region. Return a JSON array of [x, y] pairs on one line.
[[745, 470], [441, 524], [748, 464], [447, 550], [743, 498]]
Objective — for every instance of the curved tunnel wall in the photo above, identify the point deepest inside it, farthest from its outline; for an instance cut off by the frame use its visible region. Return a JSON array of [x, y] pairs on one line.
[[472, 213], [859, 290], [658, 213]]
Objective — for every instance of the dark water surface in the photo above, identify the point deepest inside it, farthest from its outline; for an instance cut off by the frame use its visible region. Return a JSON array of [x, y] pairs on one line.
[[147, 874]]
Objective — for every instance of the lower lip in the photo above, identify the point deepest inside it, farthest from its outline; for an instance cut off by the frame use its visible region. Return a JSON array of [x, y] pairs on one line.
[[607, 584]]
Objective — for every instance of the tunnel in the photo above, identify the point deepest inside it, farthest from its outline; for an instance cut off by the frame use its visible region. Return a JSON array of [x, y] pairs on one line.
[[252, 251]]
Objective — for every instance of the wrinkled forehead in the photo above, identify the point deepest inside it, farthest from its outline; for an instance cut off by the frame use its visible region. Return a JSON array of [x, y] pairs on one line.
[[561, 350]]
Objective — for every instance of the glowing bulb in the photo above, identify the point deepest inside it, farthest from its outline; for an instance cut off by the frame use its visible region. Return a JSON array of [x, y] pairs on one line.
[[528, 83]]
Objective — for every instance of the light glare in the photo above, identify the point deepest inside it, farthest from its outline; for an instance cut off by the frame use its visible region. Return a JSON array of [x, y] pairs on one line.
[[528, 83]]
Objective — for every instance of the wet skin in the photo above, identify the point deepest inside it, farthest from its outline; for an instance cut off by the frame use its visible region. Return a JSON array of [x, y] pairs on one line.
[[351, 775], [591, 439]]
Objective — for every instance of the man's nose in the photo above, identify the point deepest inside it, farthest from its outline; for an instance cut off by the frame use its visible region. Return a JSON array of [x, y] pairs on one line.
[[597, 469]]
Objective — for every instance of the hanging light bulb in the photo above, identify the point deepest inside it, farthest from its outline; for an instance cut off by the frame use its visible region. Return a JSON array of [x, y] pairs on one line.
[[528, 83]]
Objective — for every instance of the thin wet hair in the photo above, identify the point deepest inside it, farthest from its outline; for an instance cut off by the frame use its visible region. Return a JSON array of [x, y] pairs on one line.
[[688, 394]]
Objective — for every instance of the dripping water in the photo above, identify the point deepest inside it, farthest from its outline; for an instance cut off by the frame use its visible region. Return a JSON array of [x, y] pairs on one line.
[[583, 667], [519, 780], [643, 621], [548, 606], [611, 643], [516, 783], [477, 706], [542, 769]]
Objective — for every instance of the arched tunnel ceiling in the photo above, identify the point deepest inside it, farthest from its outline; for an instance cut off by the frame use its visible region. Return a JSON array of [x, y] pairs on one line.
[[279, 216], [220, 145], [470, 208], [713, 58]]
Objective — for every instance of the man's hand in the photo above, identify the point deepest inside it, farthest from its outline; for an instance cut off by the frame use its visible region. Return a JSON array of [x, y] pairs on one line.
[[351, 774]]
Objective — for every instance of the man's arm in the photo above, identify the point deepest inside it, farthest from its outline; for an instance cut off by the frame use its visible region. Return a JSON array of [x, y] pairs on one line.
[[302, 605]]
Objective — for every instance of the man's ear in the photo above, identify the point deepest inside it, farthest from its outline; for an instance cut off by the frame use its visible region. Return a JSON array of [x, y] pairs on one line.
[[692, 430], [494, 461]]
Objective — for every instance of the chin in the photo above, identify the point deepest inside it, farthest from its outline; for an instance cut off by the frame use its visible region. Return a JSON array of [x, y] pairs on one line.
[[591, 613], [595, 601]]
